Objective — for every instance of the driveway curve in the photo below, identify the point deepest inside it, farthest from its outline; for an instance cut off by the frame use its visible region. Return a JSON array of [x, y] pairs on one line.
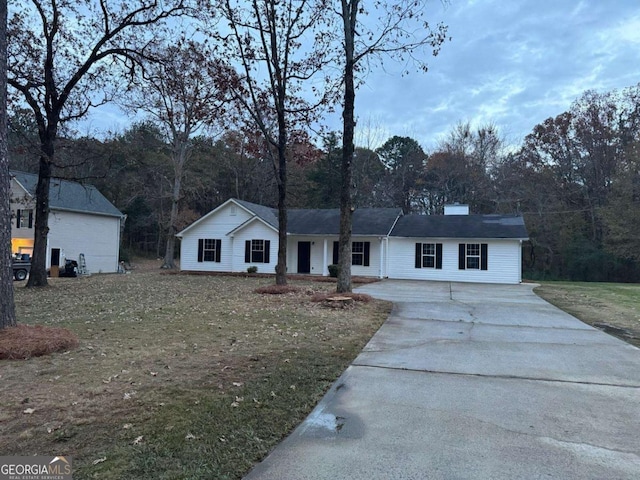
[[470, 381]]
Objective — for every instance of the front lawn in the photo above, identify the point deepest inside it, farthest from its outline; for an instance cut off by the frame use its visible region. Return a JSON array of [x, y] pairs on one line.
[[175, 376], [612, 307]]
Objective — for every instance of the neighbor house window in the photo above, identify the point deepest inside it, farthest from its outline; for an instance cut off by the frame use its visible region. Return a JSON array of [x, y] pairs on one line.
[[429, 255], [360, 253], [473, 256], [257, 251], [209, 249], [24, 219]]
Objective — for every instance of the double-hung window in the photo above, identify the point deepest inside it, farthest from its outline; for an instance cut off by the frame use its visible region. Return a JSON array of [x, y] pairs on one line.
[[429, 255], [360, 253], [209, 249], [24, 218], [257, 251], [473, 256]]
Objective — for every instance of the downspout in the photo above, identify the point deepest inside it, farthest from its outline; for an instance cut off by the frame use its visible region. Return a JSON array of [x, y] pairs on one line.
[[123, 220]]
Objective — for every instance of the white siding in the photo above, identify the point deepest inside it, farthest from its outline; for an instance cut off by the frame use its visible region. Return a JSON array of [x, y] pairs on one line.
[[504, 261], [215, 226], [97, 236], [373, 270], [20, 201], [255, 231]]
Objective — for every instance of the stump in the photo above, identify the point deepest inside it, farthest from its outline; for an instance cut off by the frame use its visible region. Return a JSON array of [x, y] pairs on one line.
[[338, 301]]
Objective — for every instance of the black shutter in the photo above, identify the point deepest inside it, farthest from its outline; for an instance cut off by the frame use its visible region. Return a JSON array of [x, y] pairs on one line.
[[17, 218], [267, 248], [439, 256], [367, 253], [483, 256], [200, 249], [30, 218], [336, 251], [462, 252], [418, 255], [247, 251], [218, 248]]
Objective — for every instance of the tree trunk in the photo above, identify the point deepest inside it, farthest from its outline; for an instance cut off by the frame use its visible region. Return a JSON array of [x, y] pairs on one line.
[[169, 261], [38, 273], [7, 306], [281, 267], [349, 12]]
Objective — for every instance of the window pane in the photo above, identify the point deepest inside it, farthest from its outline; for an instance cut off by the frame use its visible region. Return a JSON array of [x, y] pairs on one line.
[[257, 251], [473, 263], [473, 249], [428, 248], [429, 262], [209, 250], [357, 253]]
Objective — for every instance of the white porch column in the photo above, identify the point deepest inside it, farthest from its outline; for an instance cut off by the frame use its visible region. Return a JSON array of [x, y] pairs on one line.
[[382, 257], [325, 268]]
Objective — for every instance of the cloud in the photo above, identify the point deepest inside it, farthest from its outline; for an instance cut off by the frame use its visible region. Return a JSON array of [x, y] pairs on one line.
[[511, 63]]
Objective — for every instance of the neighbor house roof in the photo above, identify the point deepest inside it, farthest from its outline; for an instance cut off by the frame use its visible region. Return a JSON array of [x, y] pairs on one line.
[[461, 226], [68, 195]]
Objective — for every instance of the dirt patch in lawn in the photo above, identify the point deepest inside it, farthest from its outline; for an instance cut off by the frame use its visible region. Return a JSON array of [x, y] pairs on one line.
[[611, 307], [175, 376]]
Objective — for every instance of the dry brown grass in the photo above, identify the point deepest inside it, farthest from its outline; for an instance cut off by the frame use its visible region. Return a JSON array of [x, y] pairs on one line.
[[356, 297], [210, 374], [276, 289], [26, 341]]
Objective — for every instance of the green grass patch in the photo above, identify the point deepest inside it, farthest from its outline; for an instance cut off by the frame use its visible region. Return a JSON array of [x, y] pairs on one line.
[[612, 307]]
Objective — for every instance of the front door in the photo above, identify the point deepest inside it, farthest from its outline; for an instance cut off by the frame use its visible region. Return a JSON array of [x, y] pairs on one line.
[[304, 257]]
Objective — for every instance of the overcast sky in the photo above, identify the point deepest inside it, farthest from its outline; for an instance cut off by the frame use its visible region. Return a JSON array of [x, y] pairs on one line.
[[510, 62]]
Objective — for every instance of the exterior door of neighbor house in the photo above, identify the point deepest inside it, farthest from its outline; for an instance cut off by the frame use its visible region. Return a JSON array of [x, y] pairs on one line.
[[304, 257], [55, 262]]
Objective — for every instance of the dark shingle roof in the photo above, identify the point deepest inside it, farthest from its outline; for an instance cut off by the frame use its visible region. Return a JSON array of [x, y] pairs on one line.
[[268, 214], [67, 195], [366, 221], [461, 226]]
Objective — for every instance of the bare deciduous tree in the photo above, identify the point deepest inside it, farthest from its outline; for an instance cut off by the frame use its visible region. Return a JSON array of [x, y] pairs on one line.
[[63, 59], [183, 93], [396, 30], [279, 47]]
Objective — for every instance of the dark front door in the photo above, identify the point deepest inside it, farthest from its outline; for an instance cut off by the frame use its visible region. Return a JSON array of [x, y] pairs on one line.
[[304, 257]]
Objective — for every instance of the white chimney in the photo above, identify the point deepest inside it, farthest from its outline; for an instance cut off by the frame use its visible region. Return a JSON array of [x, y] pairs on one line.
[[456, 209]]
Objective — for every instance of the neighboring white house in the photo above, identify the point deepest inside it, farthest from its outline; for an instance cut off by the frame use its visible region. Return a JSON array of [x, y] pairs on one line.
[[385, 243], [81, 220]]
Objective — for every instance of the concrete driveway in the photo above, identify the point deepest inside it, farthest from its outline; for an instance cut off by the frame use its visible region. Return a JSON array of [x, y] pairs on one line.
[[469, 381]]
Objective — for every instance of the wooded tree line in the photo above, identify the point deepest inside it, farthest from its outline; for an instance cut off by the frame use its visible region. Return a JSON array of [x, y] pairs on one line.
[[575, 178]]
